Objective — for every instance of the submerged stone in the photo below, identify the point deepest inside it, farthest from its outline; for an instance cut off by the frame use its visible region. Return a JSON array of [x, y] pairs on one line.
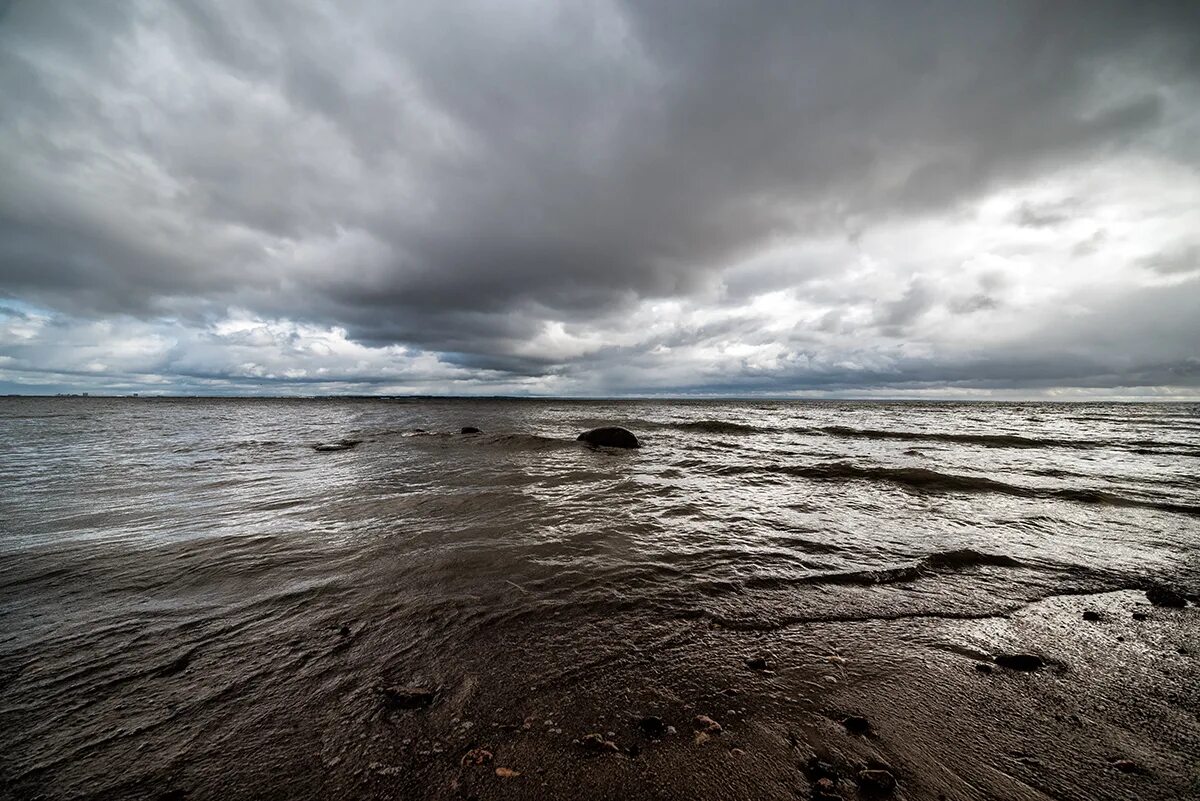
[[340, 445], [1163, 596], [470, 430], [856, 724], [609, 437], [409, 697], [1024, 662]]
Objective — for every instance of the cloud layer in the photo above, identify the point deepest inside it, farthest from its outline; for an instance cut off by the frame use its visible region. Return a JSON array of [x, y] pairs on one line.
[[600, 198]]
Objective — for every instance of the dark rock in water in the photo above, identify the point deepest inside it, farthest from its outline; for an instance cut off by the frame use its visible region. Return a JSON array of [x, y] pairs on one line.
[[1162, 596], [1141, 616], [653, 727], [983, 667], [1092, 615], [856, 724], [340, 445], [470, 430], [756, 663], [609, 437], [1020, 661], [876, 781], [409, 697]]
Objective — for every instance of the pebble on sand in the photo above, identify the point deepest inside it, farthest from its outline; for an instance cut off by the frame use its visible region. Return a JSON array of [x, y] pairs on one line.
[[477, 756], [507, 773], [596, 742], [653, 727], [706, 724], [877, 781]]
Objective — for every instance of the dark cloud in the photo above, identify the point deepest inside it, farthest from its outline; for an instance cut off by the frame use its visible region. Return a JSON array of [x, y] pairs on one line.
[[509, 187], [1178, 261]]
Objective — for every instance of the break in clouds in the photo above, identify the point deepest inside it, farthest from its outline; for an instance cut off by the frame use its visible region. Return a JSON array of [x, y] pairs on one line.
[[600, 198]]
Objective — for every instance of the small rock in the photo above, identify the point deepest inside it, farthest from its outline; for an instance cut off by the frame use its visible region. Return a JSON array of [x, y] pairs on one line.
[[877, 781], [470, 430], [756, 663], [736, 751], [1162, 596], [507, 773], [672, 731], [856, 724], [477, 756], [1092, 616], [706, 724], [596, 742], [983, 667], [1024, 662], [1141, 616], [653, 727], [1125, 765]]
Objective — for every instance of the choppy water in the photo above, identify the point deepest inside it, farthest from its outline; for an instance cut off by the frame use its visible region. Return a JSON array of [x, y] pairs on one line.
[[176, 573]]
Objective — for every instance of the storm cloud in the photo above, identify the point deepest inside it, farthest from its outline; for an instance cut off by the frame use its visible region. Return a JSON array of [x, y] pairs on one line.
[[600, 198]]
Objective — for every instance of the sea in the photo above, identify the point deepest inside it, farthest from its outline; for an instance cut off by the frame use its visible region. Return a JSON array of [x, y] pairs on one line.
[[194, 597]]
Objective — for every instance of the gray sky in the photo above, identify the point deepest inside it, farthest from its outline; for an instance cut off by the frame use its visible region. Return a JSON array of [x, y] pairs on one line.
[[870, 198]]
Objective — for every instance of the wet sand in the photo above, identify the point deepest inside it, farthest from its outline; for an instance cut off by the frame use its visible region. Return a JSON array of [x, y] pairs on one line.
[[1113, 715]]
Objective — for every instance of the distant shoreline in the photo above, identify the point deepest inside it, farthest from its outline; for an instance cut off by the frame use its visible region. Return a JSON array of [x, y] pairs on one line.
[[603, 399]]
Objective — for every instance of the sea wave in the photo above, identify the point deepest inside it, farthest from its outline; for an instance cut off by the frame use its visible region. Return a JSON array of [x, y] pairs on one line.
[[932, 481], [957, 560], [986, 440]]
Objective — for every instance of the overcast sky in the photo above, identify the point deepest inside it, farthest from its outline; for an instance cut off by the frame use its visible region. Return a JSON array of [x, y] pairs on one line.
[[601, 198]]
